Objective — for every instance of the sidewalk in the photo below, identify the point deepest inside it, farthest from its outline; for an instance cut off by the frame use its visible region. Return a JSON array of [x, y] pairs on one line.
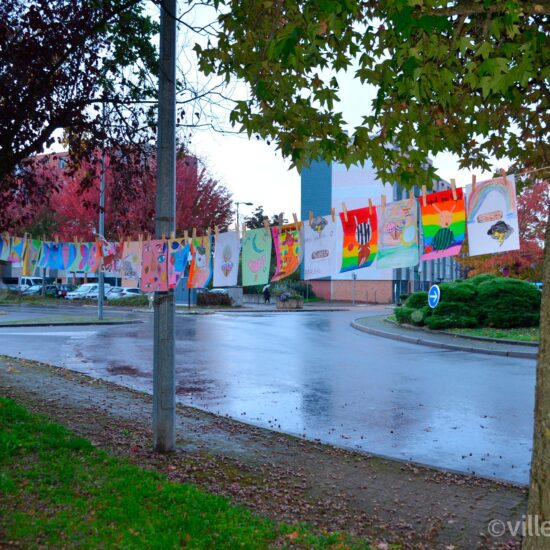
[[379, 326], [283, 477]]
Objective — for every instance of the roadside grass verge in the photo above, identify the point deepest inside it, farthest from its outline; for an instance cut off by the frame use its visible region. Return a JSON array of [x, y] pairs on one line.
[[63, 320], [57, 490], [524, 334]]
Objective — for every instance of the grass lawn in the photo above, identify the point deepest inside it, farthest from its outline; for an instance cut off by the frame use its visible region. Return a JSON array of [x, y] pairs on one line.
[[527, 334], [57, 490]]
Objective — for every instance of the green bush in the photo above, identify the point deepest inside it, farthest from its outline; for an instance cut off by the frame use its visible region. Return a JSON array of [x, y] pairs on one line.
[[417, 299], [403, 314], [461, 293], [508, 303], [137, 301], [482, 278]]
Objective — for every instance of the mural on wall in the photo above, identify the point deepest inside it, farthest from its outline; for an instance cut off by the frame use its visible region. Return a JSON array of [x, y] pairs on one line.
[[360, 243], [154, 266], [492, 217], [398, 234], [443, 224], [178, 255], [256, 257], [130, 265], [319, 247], [226, 259], [200, 270], [286, 241]]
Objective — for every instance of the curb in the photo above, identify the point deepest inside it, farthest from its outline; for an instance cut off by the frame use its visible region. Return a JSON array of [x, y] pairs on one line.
[[467, 336], [24, 325], [442, 345]]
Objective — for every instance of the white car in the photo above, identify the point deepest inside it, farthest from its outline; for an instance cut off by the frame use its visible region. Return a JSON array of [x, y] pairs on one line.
[[114, 293], [127, 292], [86, 291]]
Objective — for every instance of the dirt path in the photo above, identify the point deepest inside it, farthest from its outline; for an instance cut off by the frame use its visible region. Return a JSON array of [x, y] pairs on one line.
[[274, 474]]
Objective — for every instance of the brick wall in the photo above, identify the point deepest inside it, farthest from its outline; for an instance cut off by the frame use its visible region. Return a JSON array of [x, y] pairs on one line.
[[375, 292]]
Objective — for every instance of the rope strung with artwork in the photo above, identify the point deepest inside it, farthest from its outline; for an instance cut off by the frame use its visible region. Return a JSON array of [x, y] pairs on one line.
[[392, 235]]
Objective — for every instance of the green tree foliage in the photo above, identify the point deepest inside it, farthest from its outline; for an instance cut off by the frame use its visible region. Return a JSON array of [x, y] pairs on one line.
[[468, 77]]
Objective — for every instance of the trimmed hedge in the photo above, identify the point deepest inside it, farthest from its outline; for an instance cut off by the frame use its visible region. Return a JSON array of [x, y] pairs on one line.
[[484, 300], [508, 303]]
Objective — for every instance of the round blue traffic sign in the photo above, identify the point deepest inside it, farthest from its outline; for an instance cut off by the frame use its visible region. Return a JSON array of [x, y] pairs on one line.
[[433, 295]]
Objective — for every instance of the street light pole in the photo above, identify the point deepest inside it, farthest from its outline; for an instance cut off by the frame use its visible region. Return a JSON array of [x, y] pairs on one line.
[[164, 407], [101, 274], [241, 202]]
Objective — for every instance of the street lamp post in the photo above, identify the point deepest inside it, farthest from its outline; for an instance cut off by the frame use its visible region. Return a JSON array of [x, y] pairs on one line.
[[241, 202]]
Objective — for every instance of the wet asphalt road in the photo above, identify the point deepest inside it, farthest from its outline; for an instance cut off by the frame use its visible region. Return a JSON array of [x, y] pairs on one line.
[[311, 374]]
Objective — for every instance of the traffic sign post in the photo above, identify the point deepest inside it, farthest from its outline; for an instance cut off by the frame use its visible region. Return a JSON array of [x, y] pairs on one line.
[[434, 294]]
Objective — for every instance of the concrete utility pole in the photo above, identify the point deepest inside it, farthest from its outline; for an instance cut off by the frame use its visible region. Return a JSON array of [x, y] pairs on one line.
[[100, 273], [164, 435]]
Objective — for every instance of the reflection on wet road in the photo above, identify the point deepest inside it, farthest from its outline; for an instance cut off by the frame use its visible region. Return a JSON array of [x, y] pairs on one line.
[[311, 374]]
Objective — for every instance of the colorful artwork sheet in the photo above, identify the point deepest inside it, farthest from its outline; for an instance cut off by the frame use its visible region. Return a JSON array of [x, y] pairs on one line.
[[112, 257], [226, 259], [398, 235], [178, 255], [130, 265], [51, 256], [492, 217], [30, 257], [288, 249], [154, 266], [17, 249], [91, 255], [443, 224], [200, 270], [256, 257], [320, 258], [360, 244], [5, 243]]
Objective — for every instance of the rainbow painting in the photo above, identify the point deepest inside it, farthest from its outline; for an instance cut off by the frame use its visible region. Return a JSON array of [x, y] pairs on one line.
[[17, 249], [286, 241], [397, 235], [443, 224], [360, 243], [492, 217]]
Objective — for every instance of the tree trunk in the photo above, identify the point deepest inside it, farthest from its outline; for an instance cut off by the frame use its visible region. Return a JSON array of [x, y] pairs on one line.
[[539, 486]]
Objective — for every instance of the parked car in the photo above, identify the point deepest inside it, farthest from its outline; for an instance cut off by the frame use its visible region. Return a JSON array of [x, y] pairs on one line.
[[50, 290], [63, 289], [114, 293], [86, 291], [127, 292], [27, 282]]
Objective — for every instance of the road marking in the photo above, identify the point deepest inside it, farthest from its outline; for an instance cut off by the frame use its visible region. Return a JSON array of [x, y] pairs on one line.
[[66, 333]]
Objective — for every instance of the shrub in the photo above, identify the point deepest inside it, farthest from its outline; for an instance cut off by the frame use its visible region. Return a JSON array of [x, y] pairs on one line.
[[140, 300], [508, 303], [482, 278], [461, 293], [417, 300], [213, 299], [403, 314]]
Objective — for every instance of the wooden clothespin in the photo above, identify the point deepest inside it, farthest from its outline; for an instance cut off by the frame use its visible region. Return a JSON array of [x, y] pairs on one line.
[[296, 222], [333, 214], [453, 188], [281, 216], [266, 225], [345, 211], [186, 236], [140, 237], [194, 233], [163, 236], [424, 196], [244, 230], [383, 202], [208, 231], [173, 235], [370, 207], [310, 216], [473, 182], [75, 240], [503, 174], [57, 239], [216, 231]]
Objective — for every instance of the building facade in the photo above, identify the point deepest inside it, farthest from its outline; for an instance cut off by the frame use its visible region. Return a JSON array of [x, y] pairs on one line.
[[325, 186]]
